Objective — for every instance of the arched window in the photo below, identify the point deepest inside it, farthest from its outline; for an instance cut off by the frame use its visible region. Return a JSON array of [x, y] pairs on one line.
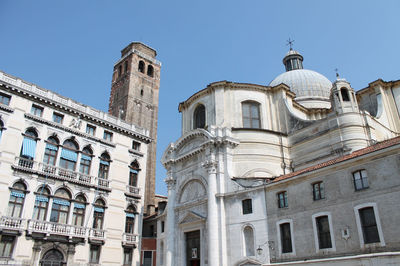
[[249, 241], [16, 202], [78, 217], [104, 166], [141, 66], [50, 153], [98, 214], [345, 95], [86, 159], [53, 257], [60, 208], [199, 117], [69, 155], [41, 204], [130, 219], [251, 114], [29, 144], [133, 173], [150, 71]]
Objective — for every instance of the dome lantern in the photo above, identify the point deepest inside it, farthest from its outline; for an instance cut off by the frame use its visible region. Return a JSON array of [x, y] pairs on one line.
[[293, 60]]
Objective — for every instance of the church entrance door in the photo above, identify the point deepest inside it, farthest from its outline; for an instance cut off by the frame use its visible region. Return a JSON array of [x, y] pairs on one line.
[[193, 248]]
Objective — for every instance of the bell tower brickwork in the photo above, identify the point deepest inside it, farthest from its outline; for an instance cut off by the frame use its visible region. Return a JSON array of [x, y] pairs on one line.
[[134, 98]]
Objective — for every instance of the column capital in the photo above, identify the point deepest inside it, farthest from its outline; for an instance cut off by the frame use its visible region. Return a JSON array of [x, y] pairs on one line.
[[210, 166], [170, 182]]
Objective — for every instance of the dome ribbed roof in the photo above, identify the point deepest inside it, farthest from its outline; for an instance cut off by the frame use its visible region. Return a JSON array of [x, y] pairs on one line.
[[305, 83]]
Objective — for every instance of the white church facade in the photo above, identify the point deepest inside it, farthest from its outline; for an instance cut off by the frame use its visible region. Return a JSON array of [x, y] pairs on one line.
[[302, 170]]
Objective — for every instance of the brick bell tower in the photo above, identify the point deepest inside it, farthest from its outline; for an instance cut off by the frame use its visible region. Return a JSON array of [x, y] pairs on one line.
[[134, 98]]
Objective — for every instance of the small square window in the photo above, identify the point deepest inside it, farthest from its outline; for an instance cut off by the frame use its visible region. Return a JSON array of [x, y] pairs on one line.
[[318, 191], [58, 118], [360, 179], [37, 110], [107, 135], [247, 206], [282, 199], [90, 130], [5, 99], [135, 145]]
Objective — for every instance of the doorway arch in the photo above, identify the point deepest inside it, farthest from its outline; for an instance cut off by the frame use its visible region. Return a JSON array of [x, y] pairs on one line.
[[53, 257]]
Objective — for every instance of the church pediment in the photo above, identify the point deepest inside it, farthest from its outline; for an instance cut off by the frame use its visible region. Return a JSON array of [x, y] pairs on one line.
[[192, 217], [249, 262]]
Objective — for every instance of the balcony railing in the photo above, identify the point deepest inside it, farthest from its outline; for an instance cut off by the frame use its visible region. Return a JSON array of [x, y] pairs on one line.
[[130, 239], [51, 228], [59, 172], [12, 223], [133, 190], [97, 234]]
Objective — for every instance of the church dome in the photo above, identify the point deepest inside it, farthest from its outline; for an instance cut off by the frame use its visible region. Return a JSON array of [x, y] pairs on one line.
[[305, 83], [312, 89]]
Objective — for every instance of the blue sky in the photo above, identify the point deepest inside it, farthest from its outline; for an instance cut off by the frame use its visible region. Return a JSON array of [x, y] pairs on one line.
[[70, 46]]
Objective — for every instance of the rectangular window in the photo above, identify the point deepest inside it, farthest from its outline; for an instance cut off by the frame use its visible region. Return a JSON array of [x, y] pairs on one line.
[[286, 238], [368, 224], [360, 180], [251, 115], [128, 256], [135, 145], [58, 118], [282, 199], [90, 130], [318, 191], [107, 135], [37, 110], [247, 206], [6, 246], [162, 226], [94, 254], [147, 258], [324, 234], [5, 99]]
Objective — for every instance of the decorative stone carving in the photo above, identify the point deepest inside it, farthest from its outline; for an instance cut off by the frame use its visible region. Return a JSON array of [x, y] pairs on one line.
[[192, 191], [211, 166]]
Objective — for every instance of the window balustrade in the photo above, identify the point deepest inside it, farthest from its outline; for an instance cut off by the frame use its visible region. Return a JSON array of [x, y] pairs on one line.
[[57, 172]]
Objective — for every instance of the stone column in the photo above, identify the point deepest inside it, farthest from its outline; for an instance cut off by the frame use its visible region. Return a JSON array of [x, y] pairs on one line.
[[212, 217], [70, 254], [170, 229]]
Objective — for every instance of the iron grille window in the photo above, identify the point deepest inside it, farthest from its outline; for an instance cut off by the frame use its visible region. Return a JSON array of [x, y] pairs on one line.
[[360, 179], [318, 191], [286, 238], [368, 224], [247, 206], [324, 234], [282, 199]]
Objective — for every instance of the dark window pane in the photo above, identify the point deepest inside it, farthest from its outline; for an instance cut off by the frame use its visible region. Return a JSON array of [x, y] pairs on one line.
[[324, 235], [286, 238], [368, 223]]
